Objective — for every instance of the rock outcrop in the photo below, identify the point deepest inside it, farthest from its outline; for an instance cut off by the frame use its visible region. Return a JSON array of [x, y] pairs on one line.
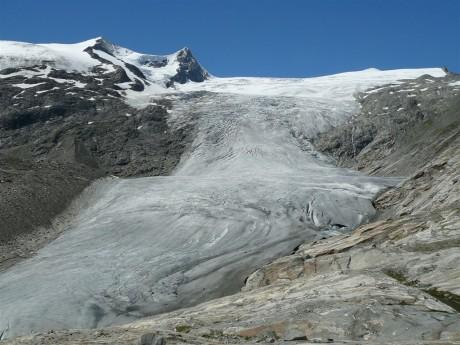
[[189, 68]]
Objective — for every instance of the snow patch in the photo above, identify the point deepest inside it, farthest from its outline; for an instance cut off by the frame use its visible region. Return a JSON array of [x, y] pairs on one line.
[[27, 86], [70, 57], [43, 91], [407, 90]]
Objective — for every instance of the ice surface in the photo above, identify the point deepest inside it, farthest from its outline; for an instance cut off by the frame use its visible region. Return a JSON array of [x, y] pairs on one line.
[[341, 86], [144, 62], [250, 189]]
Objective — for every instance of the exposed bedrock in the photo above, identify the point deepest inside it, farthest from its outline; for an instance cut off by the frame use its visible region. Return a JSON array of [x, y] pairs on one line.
[[398, 128]]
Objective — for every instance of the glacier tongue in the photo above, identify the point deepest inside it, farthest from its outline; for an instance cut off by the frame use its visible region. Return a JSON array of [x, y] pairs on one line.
[[250, 189]]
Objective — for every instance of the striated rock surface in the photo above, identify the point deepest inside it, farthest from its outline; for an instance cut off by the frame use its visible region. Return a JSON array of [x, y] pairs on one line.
[[327, 308]]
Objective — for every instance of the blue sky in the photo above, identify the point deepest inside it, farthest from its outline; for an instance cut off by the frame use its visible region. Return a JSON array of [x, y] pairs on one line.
[[286, 38]]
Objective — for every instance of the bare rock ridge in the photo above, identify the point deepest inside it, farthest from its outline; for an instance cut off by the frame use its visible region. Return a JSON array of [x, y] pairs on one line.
[[189, 68], [364, 276]]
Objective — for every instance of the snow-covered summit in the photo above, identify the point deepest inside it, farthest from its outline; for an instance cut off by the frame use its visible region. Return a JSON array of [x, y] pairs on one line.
[[137, 77], [85, 57], [69, 57], [335, 86], [180, 66]]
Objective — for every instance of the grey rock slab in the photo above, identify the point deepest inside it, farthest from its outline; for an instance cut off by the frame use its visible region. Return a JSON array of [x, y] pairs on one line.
[[151, 339]]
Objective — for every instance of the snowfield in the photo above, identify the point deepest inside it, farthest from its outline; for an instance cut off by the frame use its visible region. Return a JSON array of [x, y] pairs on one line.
[[340, 86], [249, 189], [70, 57]]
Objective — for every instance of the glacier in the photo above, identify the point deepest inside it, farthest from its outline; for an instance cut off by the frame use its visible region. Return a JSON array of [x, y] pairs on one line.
[[249, 189]]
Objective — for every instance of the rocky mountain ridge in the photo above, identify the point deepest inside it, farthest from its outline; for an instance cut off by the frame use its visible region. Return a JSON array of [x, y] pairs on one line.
[[99, 57]]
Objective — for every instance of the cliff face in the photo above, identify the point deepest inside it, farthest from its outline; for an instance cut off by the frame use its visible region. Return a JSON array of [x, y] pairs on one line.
[[398, 128]]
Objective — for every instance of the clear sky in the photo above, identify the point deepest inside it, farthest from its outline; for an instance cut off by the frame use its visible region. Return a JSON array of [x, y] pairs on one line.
[[286, 38]]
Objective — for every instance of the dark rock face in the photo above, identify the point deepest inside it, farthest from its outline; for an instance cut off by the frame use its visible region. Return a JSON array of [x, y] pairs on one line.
[[64, 131], [33, 192], [394, 130], [189, 68], [151, 339]]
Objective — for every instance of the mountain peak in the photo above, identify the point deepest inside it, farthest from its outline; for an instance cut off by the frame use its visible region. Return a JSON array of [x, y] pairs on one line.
[[103, 44], [185, 51], [189, 68], [179, 67]]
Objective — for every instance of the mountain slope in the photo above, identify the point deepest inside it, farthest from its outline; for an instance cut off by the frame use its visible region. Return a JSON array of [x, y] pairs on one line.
[[244, 186], [51, 95]]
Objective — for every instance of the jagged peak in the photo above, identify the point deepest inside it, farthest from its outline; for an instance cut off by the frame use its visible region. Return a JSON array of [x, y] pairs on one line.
[[103, 44], [184, 54], [184, 51]]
